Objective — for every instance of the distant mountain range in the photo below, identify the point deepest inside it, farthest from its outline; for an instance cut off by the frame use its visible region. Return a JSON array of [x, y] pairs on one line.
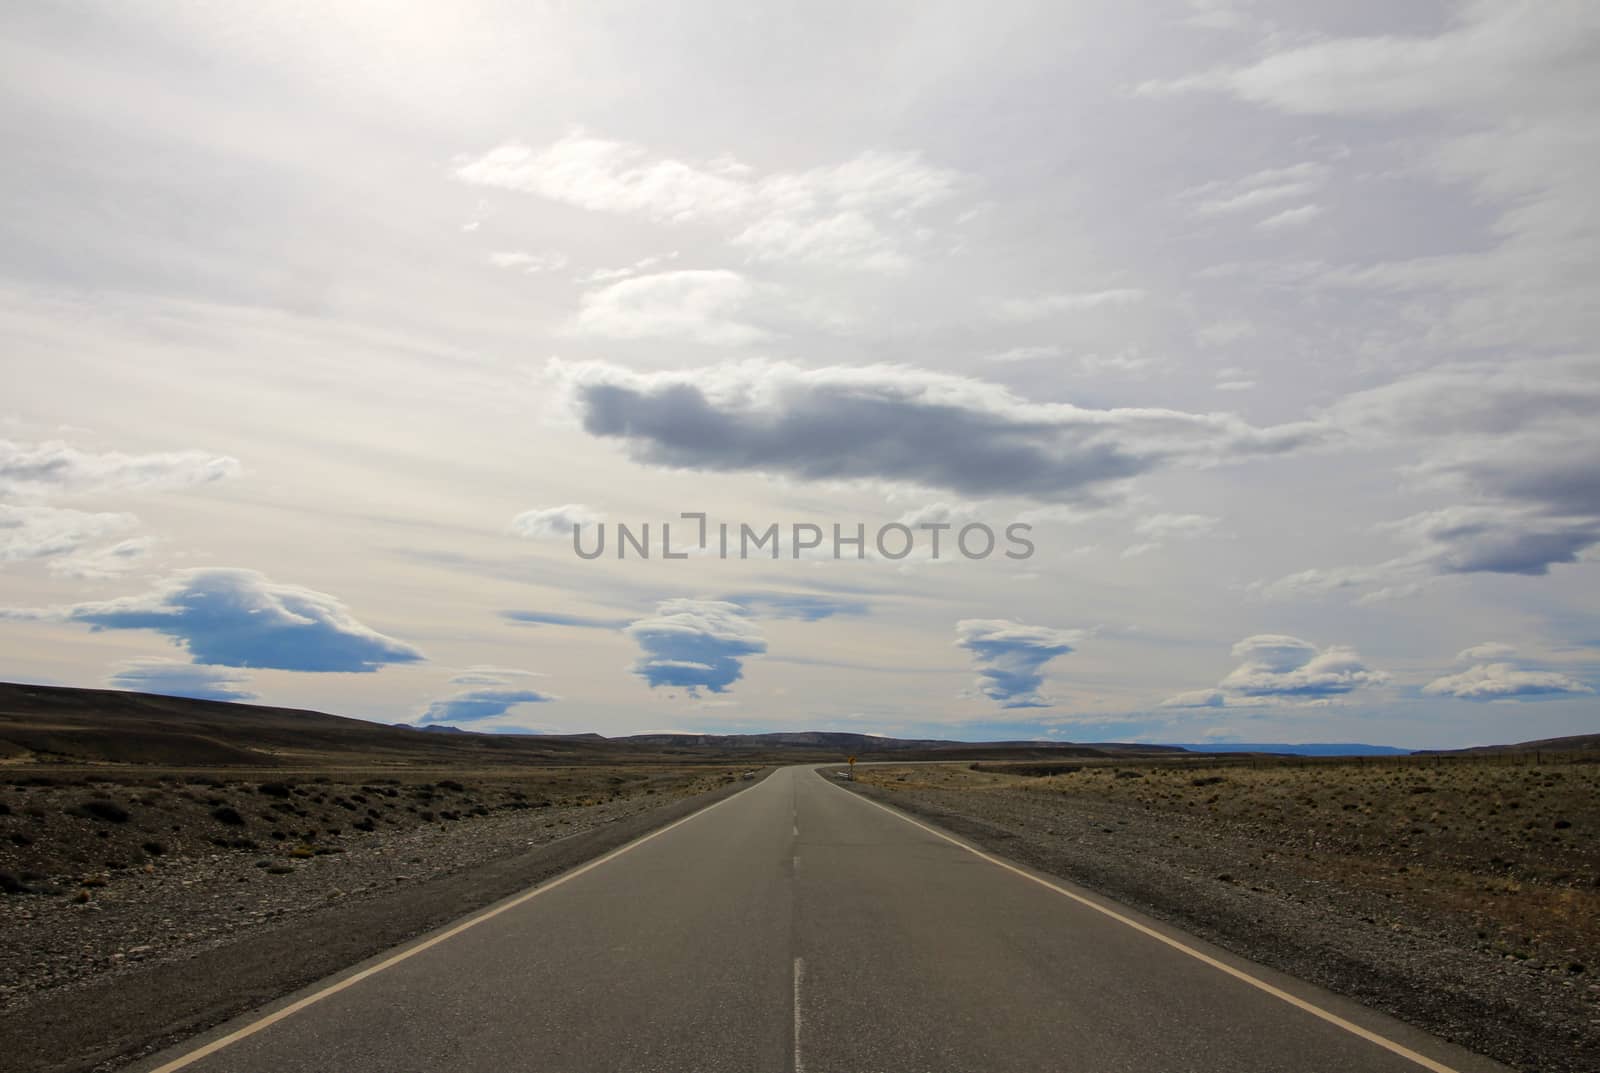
[[874, 744], [1311, 749], [64, 725], [58, 724]]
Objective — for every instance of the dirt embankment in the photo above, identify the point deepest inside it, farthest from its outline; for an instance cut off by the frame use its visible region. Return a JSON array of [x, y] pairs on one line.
[[139, 913], [1463, 898]]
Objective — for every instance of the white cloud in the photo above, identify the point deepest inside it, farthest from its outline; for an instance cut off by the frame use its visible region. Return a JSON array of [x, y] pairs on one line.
[[39, 532], [1290, 218], [607, 176], [1507, 88], [1024, 353], [857, 214], [1504, 681], [1488, 651], [1040, 306], [109, 561], [940, 514], [1258, 190], [1218, 15], [486, 674], [1129, 361], [1166, 526], [1158, 529], [1319, 581], [523, 261], [1276, 665], [643, 264], [557, 522], [51, 469], [1497, 54], [1277, 668], [699, 305], [1223, 332]]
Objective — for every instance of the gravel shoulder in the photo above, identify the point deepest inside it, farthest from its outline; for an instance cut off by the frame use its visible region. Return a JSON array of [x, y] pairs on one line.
[[171, 949], [1296, 902]]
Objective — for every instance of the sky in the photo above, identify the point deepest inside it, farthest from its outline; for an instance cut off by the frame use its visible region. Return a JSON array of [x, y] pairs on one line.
[[1241, 356]]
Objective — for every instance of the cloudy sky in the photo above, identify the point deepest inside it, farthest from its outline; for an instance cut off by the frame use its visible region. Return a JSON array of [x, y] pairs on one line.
[[325, 322]]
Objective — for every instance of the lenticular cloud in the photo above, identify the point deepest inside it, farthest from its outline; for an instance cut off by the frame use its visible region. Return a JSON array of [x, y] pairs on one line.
[[695, 645], [231, 617]]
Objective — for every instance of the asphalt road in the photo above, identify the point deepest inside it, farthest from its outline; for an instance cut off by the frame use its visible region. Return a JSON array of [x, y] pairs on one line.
[[799, 927]]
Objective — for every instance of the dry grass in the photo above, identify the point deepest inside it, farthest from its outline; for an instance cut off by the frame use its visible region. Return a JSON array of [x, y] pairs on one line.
[[60, 830], [1508, 853]]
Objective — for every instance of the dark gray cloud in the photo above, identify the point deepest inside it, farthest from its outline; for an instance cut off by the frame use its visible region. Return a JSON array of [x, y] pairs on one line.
[[897, 424], [1499, 540], [1516, 450], [695, 645], [174, 678], [798, 605], [232, 617], [1011, 658]]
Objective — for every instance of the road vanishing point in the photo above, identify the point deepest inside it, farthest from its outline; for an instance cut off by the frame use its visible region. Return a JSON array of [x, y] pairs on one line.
[[796, 927]]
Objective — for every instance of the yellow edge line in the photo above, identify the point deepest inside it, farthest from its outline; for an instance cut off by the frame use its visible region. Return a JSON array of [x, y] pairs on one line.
[[1239, 974], [412, 951]]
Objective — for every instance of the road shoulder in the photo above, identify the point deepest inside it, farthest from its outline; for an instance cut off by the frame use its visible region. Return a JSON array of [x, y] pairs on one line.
[[147, 1007], [1291, 948]]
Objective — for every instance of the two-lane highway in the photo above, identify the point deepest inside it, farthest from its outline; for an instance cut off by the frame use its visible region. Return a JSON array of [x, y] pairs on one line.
[[799, 927]]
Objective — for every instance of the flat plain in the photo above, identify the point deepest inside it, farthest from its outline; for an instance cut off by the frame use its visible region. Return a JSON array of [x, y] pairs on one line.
[[1460, 893]]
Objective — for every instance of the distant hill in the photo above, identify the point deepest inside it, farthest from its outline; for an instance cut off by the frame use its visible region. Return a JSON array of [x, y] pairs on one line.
[[1574, 743], [58, 724], [1313, 749], [874, 745]]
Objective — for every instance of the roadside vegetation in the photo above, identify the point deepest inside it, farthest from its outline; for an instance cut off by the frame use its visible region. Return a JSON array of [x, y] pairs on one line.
[[75, 833], [1461, 892]]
